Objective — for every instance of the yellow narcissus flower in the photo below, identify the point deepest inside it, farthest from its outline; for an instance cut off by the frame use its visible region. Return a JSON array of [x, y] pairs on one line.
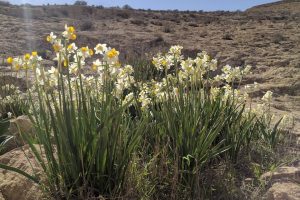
[[34, 53], [84, 49], [27, 56], [73, 37], [86, 52], [112, 53], [9, 60], [69, 32], [65, 63], [91, 52], [71, 29]]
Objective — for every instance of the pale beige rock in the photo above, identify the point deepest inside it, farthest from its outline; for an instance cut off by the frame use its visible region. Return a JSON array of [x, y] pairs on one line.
[[21, 124], [14, 186], [284, 191]]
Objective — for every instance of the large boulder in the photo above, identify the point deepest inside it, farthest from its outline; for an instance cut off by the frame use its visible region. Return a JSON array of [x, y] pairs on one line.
[[14, 186]]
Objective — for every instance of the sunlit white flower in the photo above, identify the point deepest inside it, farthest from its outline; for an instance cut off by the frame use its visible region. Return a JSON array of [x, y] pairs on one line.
[[100, 48], [51, 38], [9, 114], [72, 48], [267, 97], [69, 32], [111, 56], [73, 68]]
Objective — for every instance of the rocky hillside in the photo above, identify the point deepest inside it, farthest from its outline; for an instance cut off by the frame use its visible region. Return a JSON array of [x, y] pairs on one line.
[[266, 37]]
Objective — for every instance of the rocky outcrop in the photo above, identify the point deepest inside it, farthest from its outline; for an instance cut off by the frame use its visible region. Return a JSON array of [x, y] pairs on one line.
[[14, 186]]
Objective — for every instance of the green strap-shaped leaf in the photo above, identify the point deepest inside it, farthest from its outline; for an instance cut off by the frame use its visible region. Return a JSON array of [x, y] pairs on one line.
[[13, 169]]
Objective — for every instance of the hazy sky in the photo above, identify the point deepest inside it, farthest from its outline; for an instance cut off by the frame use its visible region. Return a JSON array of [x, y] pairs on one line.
[[206, 5]]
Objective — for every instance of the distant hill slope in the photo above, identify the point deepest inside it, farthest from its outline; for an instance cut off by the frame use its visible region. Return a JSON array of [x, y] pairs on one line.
[[286, 5]]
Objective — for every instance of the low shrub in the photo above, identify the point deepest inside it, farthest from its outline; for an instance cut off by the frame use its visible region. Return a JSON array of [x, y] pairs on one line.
[[138, 22], [86, 26]]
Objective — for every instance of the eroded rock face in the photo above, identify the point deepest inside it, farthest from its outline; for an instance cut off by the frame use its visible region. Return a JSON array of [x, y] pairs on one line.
[[17, 187], [284, 191]]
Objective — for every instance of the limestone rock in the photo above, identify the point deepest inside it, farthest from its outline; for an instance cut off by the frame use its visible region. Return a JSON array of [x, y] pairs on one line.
[[284, 191], [21, 124], [17, 187]]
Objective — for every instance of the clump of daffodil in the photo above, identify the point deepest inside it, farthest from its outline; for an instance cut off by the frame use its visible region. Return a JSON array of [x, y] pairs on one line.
[[85, 102], [69, 33]]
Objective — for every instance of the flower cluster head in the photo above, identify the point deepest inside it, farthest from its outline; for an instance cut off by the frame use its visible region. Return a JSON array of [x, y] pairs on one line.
[[231, 74], [267, 98], [27, 61], [69, 33], [9, 95]]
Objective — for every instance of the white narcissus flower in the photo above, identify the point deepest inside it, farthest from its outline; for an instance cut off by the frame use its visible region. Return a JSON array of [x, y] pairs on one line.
[[85, 52], [214, 92], [9, 115], [97, 65], [267, 97], [247, 70], [53, 71], [187, 66], [213, 65], [40, 76], [72, 48], [73, 68], [156, 61], [129, 97], [226, 69], [175, 50], [51, 38], [111, 56], [57, 46], [100, 49]]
